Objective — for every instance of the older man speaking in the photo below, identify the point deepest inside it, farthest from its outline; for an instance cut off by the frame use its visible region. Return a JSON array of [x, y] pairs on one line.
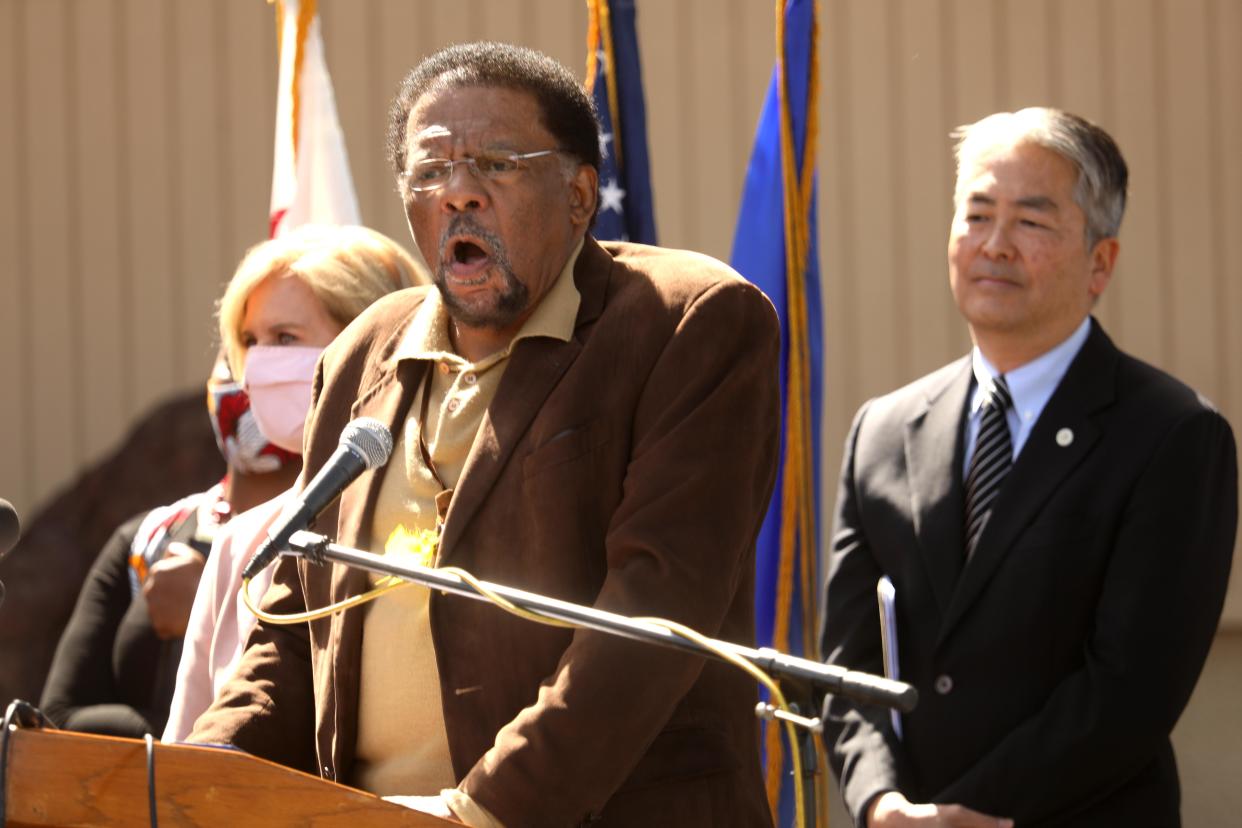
[[596, 422]]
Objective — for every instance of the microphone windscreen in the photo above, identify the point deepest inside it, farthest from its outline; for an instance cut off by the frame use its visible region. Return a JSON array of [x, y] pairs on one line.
[[370, 438], [10, 527]]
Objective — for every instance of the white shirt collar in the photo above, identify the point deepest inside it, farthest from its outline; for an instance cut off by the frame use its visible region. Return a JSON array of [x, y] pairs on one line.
[[1031, 385]]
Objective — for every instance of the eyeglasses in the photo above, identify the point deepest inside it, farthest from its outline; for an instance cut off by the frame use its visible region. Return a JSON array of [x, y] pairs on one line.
[[433, 173]]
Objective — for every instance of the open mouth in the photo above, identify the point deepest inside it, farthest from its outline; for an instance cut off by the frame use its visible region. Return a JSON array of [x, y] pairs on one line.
[[467, 252], [467, 259]]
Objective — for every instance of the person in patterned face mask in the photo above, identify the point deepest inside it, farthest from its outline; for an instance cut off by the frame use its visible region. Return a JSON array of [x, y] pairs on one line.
[[115, 668], [289, 298], [116, 662]]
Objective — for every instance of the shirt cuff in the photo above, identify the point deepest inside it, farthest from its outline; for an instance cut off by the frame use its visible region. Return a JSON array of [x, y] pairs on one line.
[[469, 811], [863, 820]]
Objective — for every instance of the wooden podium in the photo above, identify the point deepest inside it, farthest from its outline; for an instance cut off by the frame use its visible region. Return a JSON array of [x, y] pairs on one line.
[[60, 778]]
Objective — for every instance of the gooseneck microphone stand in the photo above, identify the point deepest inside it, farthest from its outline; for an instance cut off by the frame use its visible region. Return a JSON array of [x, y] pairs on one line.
[[813, 678], [819, 678]]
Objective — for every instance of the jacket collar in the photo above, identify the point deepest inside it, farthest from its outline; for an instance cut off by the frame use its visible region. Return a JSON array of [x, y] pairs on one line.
[[387, 391], [535, 366]]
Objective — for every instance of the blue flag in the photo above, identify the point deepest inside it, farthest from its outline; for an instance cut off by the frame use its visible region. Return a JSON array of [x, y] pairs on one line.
[[775, 246], [615, 81]]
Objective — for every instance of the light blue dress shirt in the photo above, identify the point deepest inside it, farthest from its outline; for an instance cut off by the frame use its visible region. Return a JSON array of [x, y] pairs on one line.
[[1031, 387]]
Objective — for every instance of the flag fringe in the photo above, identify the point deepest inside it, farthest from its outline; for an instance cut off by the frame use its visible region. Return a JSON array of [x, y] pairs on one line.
[[306, 15], [797, 536], [599, 32]]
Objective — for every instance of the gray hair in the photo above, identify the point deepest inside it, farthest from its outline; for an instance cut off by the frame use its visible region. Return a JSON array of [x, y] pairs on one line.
[[568, 112], [1102, 174]]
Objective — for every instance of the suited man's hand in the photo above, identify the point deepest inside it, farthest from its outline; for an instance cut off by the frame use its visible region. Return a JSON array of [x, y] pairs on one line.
[[893, 810]]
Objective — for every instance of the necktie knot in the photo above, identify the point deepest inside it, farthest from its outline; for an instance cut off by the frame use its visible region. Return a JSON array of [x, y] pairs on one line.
[[997, 395]]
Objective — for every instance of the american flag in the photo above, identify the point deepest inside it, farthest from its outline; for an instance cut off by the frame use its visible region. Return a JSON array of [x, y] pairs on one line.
[[614, 79]]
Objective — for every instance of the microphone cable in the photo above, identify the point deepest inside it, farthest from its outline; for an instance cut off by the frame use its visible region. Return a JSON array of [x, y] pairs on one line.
[[23, 714], [151, 809], [421, 545], [315, 615], [19, 714]]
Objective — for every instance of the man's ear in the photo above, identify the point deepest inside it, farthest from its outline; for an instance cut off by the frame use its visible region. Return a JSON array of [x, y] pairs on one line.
[[1103, 260], [583, 193]]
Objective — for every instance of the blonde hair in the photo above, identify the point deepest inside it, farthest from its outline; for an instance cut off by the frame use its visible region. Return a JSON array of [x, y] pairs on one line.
[[347, 268]]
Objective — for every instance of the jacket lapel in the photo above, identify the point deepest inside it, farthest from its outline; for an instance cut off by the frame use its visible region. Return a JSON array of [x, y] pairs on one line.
[[387, 398], [535, 367], [1045, 461], [934, 459]]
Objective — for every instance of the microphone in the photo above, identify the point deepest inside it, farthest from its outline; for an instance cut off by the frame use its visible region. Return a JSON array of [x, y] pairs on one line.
[[10, 527], [10, 531], [365, 444]]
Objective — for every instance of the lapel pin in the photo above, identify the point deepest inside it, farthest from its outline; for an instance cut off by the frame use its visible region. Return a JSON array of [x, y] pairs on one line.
[[1064, 437]]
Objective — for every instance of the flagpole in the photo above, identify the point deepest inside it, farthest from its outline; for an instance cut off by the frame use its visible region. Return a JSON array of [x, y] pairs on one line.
[[311, 179]]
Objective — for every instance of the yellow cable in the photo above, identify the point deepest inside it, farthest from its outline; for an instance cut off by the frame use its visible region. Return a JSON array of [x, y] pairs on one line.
[[778, 698], [502, 602], [324, 612]]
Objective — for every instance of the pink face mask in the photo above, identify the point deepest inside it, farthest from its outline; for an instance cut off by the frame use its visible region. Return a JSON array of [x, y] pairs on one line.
[[244, 447], [278, 380]]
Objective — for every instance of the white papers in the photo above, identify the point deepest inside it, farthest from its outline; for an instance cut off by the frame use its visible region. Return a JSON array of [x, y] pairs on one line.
[[886, 598]]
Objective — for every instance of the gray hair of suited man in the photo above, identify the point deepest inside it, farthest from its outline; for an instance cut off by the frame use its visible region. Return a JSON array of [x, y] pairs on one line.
[[1102, 173]]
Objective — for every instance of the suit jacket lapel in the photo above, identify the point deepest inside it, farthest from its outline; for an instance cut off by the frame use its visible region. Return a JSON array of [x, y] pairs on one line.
[[934, 459], [1044, 462], [535, 367], [387, 398]]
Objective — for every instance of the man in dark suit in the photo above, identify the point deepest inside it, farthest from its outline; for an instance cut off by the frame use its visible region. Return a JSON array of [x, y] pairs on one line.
[[1057, 519], [593, 422]]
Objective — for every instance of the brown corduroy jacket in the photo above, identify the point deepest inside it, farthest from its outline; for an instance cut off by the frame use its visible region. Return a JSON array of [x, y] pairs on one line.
[[628, 469]]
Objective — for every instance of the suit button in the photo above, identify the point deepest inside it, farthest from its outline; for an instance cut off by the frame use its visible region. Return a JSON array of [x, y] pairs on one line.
[[943, 684]]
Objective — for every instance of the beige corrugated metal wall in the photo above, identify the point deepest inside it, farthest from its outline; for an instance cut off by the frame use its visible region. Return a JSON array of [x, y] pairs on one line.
[[135, 157], [135, 152]]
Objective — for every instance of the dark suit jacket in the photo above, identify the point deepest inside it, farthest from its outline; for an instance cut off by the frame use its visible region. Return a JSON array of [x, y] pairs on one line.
[[629, 469], [1053, 666]]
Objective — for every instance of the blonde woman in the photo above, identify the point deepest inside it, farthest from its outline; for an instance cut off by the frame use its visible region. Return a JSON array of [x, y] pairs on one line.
[[289, 298]]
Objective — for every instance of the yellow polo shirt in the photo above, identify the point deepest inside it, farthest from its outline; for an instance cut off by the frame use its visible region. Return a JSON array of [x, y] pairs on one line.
[[402, 746]]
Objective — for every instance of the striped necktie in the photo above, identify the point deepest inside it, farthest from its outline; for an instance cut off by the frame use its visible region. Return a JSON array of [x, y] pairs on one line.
[[991, 461]]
